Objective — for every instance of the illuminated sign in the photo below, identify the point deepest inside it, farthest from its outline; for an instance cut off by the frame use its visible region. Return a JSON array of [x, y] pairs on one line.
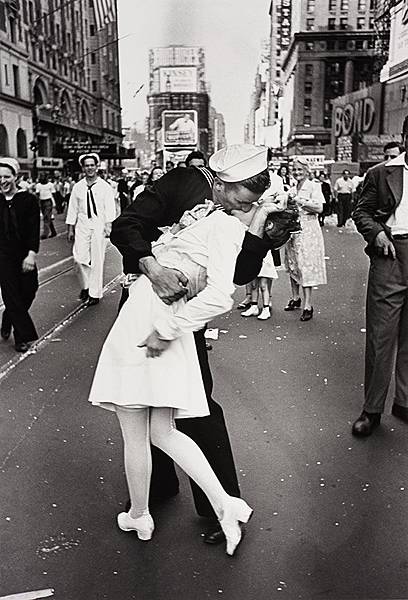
[[180, 127], [178, 79]]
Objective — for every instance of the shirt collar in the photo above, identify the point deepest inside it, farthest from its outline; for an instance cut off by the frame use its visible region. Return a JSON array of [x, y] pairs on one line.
[[398, 161]]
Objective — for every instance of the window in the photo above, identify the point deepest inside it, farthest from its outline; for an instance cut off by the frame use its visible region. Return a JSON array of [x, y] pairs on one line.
[[308, 87], [331, 24], [107, 119], [307, 120], [332, 4], [310, 6], [12, 29], [92, 29], [58, 34], [94, 85], [309, 46], [343, 23], [308, 103], [309, 70], [310, 24], [2, 16], [278, 73], [25, 12], [362, 5], [21, 143], [40, 53], [344, 5], [4, 145], [16, 81], [45, 23], [371, 23], [31, 11], [331, 45], [93, 58], [6, 77], [360, 22], [69, 41]]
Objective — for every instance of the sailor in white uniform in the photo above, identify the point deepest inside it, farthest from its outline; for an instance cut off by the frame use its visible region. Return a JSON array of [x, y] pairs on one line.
[[90, 214]]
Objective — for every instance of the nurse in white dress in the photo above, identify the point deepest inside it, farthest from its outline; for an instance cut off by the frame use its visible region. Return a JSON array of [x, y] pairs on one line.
[[148, 371], [91, 211]]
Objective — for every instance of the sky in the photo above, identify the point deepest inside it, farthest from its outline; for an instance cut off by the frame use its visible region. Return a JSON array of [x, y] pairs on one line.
[[230, 31]]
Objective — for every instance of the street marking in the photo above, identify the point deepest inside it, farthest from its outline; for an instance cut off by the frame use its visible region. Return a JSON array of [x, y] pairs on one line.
[[30, 595], [9, 366]]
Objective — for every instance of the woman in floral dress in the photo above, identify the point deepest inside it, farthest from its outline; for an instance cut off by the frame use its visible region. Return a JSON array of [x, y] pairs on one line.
[[304, 252]]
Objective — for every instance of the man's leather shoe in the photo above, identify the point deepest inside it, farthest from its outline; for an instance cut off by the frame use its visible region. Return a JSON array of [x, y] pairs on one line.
[[401, 412], [215, 535], [365, 424], [84, 295], [5, 333], [92, 301], [22, 346]]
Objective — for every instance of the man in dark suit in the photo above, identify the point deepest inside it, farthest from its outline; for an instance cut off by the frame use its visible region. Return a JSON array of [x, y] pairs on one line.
[[163, 204], [19, 244], [381, 216]]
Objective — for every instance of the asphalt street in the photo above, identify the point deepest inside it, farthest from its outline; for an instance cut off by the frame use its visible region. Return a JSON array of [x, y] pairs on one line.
[[329, 518]]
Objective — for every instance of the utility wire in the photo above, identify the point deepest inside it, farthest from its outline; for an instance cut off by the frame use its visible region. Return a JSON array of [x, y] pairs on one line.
[[45, 15]]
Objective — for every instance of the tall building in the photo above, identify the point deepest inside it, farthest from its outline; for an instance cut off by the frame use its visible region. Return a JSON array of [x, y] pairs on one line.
[[332, 52], [59, 84], [178, 102], [217, 131]]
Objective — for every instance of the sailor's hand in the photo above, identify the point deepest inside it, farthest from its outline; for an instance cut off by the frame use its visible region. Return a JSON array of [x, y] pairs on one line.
[[28, 263], [169, 284], [154, 345]]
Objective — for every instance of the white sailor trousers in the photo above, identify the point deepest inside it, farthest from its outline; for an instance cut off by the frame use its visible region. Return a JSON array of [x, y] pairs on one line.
[[89, 256]]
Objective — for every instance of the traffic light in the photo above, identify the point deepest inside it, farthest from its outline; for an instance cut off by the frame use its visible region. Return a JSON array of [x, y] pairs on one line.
[[34, 146]]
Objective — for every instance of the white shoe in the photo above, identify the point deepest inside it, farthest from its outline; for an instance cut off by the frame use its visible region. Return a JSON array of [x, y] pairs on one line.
[[235, 511], [144, 525], [265, 314], [252, 311]]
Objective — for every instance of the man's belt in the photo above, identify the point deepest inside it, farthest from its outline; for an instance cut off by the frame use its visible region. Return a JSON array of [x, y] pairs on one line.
[[400, 236]]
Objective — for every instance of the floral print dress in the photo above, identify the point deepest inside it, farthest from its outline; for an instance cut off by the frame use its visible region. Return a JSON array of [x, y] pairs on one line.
[[304, 252]]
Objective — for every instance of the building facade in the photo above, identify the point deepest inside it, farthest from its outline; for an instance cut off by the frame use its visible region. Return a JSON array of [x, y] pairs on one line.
[[332, 53], [394, 74], [61, 75]]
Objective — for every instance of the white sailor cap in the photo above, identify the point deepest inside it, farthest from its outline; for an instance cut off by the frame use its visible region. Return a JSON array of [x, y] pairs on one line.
[[11, 163], [239, 161], [89, 155]]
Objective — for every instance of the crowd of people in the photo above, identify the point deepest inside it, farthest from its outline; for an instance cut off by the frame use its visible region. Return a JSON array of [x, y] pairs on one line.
[[187, 237]]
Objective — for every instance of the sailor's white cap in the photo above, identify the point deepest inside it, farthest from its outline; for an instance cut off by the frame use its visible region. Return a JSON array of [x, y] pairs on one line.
[[89, 155], [238, 162], [11, 163]]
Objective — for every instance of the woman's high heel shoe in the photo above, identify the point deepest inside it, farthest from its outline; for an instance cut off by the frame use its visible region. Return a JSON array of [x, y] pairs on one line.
[[235, 511], [307, 314], [144, 525], [292, 304]]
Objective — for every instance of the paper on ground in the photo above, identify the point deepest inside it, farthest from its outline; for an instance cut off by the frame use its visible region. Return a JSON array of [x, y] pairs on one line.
[[30, 595], [210, 334]]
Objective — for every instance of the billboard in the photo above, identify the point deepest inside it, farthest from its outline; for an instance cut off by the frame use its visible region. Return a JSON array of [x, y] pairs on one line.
[[178, 79], [180, 127]]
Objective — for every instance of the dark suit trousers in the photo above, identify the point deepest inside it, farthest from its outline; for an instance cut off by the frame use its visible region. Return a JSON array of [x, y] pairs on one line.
[[387, 329], [209, 433], [343, 209], [18, 290]]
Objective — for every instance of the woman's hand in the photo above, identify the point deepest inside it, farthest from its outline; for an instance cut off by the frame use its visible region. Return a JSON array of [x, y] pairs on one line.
[[168, 284], [154, 345]]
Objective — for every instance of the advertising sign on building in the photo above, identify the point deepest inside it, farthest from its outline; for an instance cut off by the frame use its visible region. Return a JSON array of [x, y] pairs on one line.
[[398, 49], [49, 163], [358, 112], [180, 127], [178, 79], [175, 56], [285, 24]]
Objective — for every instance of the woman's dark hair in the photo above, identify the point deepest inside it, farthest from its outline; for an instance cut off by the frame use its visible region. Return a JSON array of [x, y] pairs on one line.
[[195, 154], [258, 183], [123, 186], [150, 180]]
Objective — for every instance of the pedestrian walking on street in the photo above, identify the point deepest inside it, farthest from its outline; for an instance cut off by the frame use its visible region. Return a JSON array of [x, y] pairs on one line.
[[262, 286], [45, 191], [19, 244], [381, 216], [304, 252], [343, 191], [91, 211], [152, 342], [328, 196], [159, 205]]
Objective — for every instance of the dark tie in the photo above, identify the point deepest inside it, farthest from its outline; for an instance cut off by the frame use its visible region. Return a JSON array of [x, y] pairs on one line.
[[90, 200]]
